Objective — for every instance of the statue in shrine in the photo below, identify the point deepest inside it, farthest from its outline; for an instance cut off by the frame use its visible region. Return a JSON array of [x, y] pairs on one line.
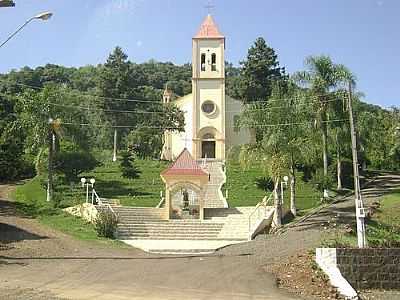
[[185, 200]]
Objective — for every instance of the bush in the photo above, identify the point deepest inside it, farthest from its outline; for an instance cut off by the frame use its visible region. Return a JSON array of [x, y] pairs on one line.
[[72, 161], [106, 223], [145, 142], [322, 182], [265, 183]]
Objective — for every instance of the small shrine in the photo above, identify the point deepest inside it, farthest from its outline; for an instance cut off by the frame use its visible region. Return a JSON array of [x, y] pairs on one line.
[[185, 183]]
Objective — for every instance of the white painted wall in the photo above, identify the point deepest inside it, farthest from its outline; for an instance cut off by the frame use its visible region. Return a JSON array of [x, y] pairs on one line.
[[233, 108], [179, 140]]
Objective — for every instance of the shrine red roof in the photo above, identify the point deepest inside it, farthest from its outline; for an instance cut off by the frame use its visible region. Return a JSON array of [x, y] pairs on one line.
[[185, 164], [208, 29]]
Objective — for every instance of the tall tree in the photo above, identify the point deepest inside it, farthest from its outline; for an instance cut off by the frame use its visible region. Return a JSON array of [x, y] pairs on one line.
[[117, 81], [322, 77], [259, 72], [280, 122]]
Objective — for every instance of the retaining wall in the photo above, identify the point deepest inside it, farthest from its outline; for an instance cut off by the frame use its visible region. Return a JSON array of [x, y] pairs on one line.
[[370, 268]]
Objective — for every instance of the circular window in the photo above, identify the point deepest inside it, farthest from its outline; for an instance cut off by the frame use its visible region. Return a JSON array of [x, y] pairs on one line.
[[208, 107]]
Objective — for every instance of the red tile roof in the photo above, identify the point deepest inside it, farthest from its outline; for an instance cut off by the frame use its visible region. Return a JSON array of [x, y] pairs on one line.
[[208, 29], [185, 165]]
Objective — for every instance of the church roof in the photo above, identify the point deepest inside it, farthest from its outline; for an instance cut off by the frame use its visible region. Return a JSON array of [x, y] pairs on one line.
[[208, 29], [185, 164]]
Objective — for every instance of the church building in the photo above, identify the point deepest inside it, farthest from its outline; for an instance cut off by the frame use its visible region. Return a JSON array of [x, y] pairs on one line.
[[211, 116]]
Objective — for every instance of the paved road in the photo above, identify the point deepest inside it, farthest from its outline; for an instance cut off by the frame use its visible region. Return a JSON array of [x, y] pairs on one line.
[[39, 263]]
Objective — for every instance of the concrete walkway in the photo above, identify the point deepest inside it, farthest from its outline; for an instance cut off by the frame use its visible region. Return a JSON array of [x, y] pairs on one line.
[[180, 246]]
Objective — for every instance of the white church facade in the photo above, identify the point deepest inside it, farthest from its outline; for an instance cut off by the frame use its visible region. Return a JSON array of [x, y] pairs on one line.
[[211, 116]]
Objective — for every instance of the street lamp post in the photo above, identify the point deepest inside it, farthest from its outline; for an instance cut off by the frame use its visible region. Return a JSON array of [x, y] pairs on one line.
[[44, 16], [86, 183]]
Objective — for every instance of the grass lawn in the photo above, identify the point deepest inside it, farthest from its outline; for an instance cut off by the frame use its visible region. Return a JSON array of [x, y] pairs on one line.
[[77, 228], [384, 228], [31, 200], [243, 191], [143, 191]]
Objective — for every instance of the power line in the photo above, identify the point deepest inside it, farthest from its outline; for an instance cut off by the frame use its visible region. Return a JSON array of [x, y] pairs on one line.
[[174, 128], [105, 110]]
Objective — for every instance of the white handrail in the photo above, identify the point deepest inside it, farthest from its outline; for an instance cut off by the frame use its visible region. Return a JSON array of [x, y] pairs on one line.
[[99, 202], [112, 210], [261, 207], [98, 199], [161, 202]]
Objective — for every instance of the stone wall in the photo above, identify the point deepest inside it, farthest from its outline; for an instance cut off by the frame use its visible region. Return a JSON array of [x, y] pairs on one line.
[[370, 268], [86, 211]]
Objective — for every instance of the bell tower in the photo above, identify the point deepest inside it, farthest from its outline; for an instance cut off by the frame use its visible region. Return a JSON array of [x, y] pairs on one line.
[[208, 88]]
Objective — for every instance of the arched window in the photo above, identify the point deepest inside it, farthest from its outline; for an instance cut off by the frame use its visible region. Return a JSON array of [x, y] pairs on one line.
[[208, 136], [203, 62], [213, 62]]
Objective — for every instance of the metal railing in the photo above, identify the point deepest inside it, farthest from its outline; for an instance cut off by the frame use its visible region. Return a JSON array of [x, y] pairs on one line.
[[259, 213], [161, 202], [96, 197]]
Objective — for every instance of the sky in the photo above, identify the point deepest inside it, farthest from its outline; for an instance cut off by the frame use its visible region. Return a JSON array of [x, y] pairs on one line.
[[361, 34]]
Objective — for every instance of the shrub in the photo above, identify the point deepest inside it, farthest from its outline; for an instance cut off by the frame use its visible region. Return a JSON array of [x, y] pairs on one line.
[[71, 164], [106, 223], [265, 183], [145, 142], [322, 182]]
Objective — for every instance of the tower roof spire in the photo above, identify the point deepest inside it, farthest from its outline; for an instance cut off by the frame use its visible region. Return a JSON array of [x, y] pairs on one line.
[[209, 29]]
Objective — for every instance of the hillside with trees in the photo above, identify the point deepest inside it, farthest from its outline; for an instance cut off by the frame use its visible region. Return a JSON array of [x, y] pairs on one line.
[[300, 119]]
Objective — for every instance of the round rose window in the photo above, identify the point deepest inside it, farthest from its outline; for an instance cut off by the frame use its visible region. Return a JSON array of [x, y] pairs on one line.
[[208, 107]]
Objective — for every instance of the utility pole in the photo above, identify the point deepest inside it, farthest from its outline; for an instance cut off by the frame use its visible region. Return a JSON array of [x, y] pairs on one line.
[[360, 212], [115, 145], [50, 161]]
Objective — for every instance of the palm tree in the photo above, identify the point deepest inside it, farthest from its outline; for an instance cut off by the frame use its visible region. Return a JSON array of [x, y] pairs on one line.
[[278, 146], [322, 78]]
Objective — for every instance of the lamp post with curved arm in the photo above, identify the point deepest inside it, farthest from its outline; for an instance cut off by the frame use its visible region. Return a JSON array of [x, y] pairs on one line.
[[42, 16]]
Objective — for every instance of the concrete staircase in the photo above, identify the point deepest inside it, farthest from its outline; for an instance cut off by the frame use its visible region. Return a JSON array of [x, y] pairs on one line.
[[146, 224], [235, 221], [213, 194], [145, 228]]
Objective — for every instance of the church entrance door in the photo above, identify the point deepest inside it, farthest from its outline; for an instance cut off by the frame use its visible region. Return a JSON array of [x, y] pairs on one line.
[[208, 149]]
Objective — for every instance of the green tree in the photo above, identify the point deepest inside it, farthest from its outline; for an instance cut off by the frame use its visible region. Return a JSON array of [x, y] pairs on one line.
[[72, 160], [279, 121], [321, 78], [259, 72], [127, 166]]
